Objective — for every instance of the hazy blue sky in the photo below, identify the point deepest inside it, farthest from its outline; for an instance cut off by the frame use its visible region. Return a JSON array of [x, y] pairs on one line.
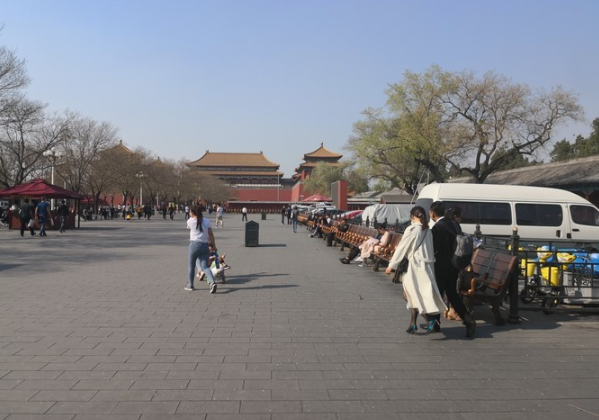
[[182, 77]]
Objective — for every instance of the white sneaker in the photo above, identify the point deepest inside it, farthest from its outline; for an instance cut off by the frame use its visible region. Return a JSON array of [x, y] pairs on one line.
[[188, 288], [213, 288]]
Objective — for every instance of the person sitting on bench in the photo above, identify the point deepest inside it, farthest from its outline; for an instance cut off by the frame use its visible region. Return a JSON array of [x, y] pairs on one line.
[[364, 249]]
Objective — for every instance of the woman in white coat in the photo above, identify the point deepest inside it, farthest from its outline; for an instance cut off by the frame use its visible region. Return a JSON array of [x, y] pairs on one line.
[[419, 283]]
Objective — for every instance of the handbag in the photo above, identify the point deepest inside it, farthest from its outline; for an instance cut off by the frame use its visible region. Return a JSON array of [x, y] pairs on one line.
[[403, 265], [30, 224]]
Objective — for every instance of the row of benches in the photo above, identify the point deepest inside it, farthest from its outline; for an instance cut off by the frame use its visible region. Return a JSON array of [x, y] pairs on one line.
[[488, 276]]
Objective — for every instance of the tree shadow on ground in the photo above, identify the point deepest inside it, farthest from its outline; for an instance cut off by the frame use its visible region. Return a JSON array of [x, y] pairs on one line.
[[246, 278], [272, 246], [9, 266]]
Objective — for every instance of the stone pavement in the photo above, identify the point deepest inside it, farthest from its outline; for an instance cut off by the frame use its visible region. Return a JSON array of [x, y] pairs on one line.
[[95, 324]]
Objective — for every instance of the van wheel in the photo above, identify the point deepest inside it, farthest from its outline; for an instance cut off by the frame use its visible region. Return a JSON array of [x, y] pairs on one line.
[[547, 303]]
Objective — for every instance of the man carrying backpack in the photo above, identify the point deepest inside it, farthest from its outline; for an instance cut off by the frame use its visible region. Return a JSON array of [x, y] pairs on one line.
[[446, 274]]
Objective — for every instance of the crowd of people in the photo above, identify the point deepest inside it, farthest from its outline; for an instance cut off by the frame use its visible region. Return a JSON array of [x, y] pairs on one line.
[[430, 280], [37, 213]]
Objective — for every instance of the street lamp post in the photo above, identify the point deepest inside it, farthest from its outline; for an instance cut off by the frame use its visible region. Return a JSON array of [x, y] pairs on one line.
[[52, 155], [141, 188]]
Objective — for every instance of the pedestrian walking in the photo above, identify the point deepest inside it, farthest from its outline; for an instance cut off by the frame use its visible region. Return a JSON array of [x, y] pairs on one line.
[[63, 213], [26, 215], [444, 236], [42, 213], [219, 216], [420, 287], [244, 214], [294, 218], [283, 212], [201, 239]]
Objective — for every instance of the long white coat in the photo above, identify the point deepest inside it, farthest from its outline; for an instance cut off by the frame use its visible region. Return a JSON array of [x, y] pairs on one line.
[[419, 281]]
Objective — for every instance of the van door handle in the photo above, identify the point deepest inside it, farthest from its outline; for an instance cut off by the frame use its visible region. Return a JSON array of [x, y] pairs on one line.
[[558, 233], [575, 230]]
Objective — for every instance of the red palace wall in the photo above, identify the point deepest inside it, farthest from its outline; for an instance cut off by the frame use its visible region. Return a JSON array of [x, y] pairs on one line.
[[256, 194]]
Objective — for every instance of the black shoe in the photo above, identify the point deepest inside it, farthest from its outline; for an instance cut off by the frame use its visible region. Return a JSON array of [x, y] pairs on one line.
[[470, 328], [412, 329], [344, 260]]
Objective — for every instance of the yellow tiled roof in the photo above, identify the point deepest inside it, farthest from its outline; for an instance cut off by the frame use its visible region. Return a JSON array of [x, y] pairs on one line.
[[244, 173], [313, 164], [212, 159], [124, 148], [322, 152]]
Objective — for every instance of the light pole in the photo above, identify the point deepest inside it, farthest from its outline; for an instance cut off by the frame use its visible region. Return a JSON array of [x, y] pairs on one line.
[[52, 155], [141, 188]]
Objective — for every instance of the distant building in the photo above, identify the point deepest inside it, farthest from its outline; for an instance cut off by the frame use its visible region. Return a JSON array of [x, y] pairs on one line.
[[322, 154], [239, 168]]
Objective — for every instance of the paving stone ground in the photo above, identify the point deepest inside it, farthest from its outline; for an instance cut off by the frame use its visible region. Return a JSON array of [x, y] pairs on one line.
[[95, 324]]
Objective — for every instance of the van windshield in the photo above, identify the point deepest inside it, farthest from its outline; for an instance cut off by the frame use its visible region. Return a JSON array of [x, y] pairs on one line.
[[585, 215]]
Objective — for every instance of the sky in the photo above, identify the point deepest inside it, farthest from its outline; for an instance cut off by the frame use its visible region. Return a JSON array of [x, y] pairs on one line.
[[179, 77]]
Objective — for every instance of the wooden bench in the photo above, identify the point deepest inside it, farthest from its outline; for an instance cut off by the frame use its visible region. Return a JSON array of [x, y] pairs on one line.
[[355, 235], [331, 229], [384, 252], [302, 219], [489, 278]]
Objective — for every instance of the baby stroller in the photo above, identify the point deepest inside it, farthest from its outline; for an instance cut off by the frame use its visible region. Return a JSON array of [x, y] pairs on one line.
[[217, 266]]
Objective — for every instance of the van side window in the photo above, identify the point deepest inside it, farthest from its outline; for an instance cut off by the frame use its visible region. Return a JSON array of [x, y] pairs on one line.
[[495, 214], [469, 210], [483, 213], [585, 215], [539, 214]]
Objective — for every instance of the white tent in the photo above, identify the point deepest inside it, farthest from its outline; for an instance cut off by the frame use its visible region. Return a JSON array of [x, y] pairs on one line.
[[393, 213]]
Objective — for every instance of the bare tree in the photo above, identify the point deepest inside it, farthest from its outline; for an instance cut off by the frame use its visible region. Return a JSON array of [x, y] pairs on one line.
[[84, 140], [13, 76], [26, 134]]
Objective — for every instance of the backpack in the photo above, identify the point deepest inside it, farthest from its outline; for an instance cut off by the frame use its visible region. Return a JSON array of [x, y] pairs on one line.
[[464, 248]]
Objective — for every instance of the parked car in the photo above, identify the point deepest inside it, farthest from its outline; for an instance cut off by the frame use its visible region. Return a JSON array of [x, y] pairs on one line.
[[350, 214]]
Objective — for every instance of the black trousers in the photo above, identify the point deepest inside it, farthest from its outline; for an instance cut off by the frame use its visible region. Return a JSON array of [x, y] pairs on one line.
[[447, 283], [24, 223], [353, 253], [330, 237]]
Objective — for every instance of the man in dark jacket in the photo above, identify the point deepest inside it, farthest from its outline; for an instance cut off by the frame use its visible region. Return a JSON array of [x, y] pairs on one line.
[[444, 235], [26, 213], [63, 212]]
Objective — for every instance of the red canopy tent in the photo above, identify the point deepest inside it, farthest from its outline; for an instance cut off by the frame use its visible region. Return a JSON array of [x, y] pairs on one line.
[[317, 198], [39, 188]]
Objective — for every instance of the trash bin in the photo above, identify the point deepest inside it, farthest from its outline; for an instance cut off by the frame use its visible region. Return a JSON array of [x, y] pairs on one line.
[[251, 233], [263, 216]]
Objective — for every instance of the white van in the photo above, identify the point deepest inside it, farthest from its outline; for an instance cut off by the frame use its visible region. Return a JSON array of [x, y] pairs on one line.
[[537, 212]]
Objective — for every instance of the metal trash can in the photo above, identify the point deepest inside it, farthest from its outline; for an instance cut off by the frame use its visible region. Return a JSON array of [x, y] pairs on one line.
[[251, 233], [263, 216]]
